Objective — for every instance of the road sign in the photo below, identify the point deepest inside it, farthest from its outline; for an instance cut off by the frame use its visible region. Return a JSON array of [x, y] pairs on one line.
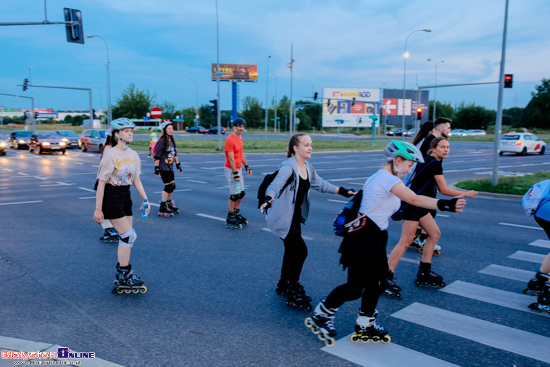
[[156, 112]]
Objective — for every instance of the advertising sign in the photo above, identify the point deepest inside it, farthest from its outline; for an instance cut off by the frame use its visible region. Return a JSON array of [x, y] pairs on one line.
[[393, 106], [236, 72], [350, 107]]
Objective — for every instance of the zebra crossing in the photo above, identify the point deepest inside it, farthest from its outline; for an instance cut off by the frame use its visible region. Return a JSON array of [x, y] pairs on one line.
[[504, 338]]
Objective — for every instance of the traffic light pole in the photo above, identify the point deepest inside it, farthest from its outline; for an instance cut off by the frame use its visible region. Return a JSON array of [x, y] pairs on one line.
[[32, 101]]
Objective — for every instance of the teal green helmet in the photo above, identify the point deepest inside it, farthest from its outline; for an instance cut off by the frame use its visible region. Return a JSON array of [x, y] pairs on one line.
[[404, 150]]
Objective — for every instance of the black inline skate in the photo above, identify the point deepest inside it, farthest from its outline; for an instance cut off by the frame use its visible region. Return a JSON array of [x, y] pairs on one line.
[[170, 204], [426, 276], [232, 221], [165, 211], [239, 217], [543, 299], [367, 329], [127, 281], [110, 235], [322, 323], [392, 289], [297, 297], [282, 286], [536, 285]]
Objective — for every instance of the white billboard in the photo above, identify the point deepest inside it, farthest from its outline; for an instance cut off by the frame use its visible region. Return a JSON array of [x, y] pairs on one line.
[[350, 107]]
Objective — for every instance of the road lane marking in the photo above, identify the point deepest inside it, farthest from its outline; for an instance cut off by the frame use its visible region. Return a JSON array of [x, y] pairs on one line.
[[201, 182], [22, 202], [86, 189], [211, 217], [519, 225], [87, 197], [338, 201], [508, 273], [57, 184], [527, 256], [493, 335], [540, 243]]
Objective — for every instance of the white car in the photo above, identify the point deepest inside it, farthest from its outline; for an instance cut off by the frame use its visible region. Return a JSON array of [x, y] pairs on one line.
[[476, 132], [459, 132], [521, 143]]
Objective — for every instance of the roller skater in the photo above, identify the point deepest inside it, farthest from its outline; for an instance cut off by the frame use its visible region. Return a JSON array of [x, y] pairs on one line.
[[321, 323], [165, 155], [239, 217], [367, 329], [363, 248], [420, 240], [128, 282], [392, 290], [543, 300], [232, 222], [426, 276], [536, 284], [297, 297]]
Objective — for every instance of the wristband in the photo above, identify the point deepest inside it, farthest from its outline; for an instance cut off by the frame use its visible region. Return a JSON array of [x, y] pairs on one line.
[[344, 192], [157, 170], [178, 166], [246, 168], [268, 202], [447, 205]]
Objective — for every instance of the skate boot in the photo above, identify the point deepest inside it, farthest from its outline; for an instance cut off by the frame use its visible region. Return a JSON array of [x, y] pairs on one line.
[[426, 276], [437, 248], [322, 323], [109, 235], [282, 286], [239, 217], [367, 329], [392, 289], [543, 299], [297, 297], [172, 206], [127, 281], [536, 285], [418, 241], [232, 221], [164, 210]]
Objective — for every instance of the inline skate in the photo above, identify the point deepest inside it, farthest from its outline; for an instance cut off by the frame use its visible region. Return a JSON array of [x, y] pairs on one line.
[[165, 211], [322, 323], [110, 235], [282, 286], [297, 297], [392, 290], [536, 285], [170, 204], [127, 281], [367, 329], [420, 240], [426, 276], [543, 300], [232, 221], [239, 217]]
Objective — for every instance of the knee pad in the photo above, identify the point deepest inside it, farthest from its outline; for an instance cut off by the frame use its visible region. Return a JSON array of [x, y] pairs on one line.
[[241, 195], [234, 198], [128, 239], [170, 187]]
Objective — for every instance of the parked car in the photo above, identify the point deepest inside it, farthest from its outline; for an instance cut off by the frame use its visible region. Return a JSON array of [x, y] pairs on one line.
[[69, 137], [395, 132], [214, 130], [4, 143], [46, 141], [19, 139], [11, 124], [521, 143], [197, 130], [476, 132], [459, 132], [92, 139]]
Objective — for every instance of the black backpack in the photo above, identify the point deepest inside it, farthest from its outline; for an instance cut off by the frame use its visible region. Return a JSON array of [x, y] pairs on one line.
[[268, 179]]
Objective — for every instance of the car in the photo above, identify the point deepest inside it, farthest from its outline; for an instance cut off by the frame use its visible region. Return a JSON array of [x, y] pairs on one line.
[[11, 124], [46, 141], [197, 130], [395, 132], [214, 130], [69, 137], [19, 139], [411, 132], [459, 132], [4, 143], [476, 132], [92, 139], [521, 143]]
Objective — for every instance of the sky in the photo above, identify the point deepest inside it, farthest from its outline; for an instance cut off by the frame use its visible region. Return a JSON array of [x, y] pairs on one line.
[[166, 47]]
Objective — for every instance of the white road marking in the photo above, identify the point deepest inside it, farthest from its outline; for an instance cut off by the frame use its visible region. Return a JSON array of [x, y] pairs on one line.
[[527, 256], [519, 225], [87, 197], [201, 182], [338, 201], [86, 189], [508, 273], [22, 202], [211, 217], [540, 243], [57, 184]]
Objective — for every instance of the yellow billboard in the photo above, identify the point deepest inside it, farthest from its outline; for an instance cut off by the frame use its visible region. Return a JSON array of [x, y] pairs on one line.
[[236, 72]]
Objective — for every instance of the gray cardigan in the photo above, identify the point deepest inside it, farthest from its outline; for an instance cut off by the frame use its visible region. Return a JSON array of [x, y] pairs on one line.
[[279, 216]]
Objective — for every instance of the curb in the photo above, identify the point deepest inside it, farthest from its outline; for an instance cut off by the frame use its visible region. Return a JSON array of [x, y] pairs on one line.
[[493, 195]]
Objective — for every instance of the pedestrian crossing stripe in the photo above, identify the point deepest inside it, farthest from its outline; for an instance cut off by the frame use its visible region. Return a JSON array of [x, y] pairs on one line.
[[540, 243], [527, 256], [508, 273]]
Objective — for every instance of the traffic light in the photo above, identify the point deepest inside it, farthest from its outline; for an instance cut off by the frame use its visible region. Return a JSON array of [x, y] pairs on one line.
[[353, 101], [73, 26], [315, 95], [25, 84], [214, 108], [419, 113], [508, 80]]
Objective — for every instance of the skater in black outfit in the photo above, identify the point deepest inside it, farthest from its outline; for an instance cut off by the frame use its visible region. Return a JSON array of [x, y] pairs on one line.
[[364, 247], [289, 193], [165, 155], [442, 128]]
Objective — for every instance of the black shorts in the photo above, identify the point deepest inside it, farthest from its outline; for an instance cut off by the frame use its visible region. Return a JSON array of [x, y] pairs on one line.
[[117, 202], [414, 213], [167, 176]]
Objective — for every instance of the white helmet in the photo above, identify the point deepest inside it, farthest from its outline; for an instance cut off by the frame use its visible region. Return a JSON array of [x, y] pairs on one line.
[[165, 124], [122, 123]]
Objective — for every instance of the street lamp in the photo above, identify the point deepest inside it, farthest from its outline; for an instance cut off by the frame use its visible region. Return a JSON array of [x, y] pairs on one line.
[[291, 66], [435, 89], [30, 79], [275, 121], [266, 94], [196, 94], [109, 109], [405, 56]]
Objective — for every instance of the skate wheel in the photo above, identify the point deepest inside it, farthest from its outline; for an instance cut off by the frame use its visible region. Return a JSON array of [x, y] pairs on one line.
[[365, 339], [119, 291], [330, 342], [308, 322], [398, 296], [437, 253], [135, 291], [309, 308], [386, 339], [127, 291], [354, 338], [143, 289], [417, 282], [421, 250]]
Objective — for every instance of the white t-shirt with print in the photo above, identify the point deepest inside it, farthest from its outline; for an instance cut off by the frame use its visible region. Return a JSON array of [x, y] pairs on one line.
[[119, 167], [378, 202]]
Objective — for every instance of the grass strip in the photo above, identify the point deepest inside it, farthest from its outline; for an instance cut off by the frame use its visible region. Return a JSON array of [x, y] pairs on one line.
[[506, 185]]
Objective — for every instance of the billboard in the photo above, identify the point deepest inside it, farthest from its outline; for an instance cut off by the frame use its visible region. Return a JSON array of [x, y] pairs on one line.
[[350, 107], [236, 72], [393, 106]]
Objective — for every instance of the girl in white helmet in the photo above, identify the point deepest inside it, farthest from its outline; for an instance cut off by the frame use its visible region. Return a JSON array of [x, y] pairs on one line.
[[165, 155]]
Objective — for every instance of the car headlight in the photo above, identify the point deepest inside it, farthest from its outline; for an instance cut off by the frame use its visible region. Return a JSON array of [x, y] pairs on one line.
[[2, 144], [46, 144], [64, 139], [61, 144], [21, 141]]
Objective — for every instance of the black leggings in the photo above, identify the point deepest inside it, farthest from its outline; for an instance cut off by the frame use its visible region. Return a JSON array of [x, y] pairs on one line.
[[295, 254], [544, 225], [367, 272]]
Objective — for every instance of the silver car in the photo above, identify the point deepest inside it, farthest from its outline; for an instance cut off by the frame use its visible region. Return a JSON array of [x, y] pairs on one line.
[[69, 137], [92, 139]]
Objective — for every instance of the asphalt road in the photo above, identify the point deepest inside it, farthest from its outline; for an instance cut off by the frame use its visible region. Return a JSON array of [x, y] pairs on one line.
[[211, 298]]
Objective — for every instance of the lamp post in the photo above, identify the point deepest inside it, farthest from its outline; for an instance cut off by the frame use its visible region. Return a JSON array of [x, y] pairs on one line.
[[291, 66], [275, 121], [405, 56], [109, 109], [435, 89], [196, 94], [266, 95], [30, 79], [382, 101]]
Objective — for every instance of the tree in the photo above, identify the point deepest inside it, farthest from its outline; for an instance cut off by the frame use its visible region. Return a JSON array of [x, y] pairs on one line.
[[168, 110], [513, 116], [537, 112], [252, 111], [134, 103], [473, 117], [442, 110]]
